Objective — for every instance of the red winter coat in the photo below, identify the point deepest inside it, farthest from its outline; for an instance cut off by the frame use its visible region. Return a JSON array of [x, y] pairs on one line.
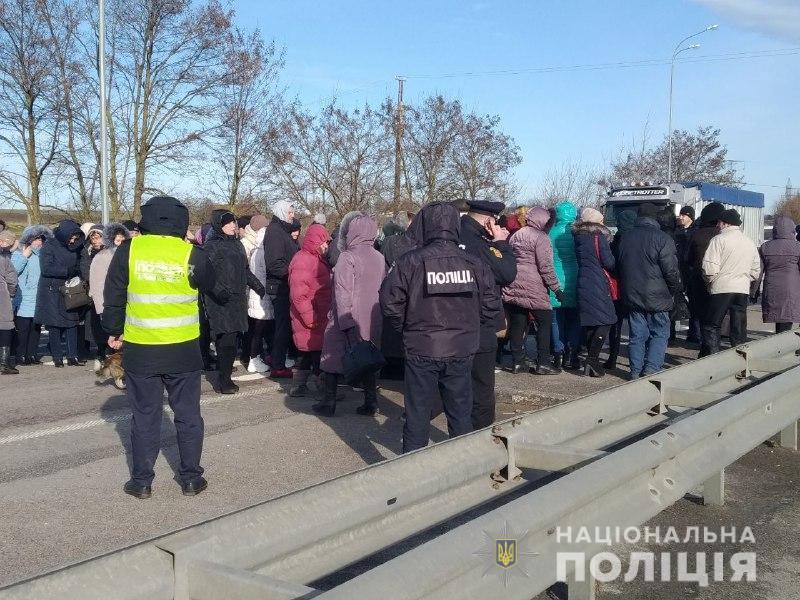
[[310, 291]]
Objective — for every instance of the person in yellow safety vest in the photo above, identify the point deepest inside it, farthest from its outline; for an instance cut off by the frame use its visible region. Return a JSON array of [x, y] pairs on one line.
[[150, 300]]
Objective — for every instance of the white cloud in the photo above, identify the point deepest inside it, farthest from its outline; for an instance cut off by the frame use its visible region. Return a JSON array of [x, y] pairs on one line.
[[774, 18]]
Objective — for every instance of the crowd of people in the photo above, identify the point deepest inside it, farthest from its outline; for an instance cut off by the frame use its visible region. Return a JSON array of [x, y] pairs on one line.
[[444, 293]]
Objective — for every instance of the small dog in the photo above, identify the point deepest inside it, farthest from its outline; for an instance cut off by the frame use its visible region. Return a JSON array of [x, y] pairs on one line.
[[112, 367]]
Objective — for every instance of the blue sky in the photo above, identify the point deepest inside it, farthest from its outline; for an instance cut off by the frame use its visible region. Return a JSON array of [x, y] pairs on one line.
[[354, 48]]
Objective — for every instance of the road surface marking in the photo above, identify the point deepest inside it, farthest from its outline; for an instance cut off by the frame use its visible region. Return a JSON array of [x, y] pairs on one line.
[[40, 433]]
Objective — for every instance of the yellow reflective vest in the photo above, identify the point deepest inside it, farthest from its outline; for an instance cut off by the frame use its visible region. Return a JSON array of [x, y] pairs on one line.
[[162, 306]]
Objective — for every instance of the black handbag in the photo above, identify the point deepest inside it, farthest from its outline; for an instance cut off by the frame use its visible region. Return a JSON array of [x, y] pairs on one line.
[[361, 359], [75, 296]]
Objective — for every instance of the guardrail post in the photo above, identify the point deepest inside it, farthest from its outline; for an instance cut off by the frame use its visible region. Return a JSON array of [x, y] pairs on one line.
[[714, 490], [789, 436]]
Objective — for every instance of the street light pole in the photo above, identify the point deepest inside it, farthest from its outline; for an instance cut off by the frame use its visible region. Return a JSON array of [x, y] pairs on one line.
[[676, 52], [103, 116]]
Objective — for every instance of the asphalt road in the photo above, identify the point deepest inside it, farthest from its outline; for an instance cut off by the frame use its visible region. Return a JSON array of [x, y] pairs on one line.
[[64, 442]]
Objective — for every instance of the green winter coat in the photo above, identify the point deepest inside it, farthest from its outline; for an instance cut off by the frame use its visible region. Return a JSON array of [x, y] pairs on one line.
[[564, 261]]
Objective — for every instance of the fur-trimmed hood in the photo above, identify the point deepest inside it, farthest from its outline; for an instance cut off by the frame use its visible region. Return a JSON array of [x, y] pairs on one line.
[[111, 231], [341, 239], [32, 232], [580, 227]]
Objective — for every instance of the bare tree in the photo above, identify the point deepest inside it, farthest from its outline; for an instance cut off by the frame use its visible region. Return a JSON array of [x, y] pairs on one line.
[[170, 58], [79, 110], [339, 161], [30, 123], [698, 156], [431, 131], [571, 181], [248, 105], [482, 158]]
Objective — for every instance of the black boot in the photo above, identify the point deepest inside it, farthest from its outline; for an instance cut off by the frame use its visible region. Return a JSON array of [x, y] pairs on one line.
[[370, 406], [593, 368], [711, 341], [327, 406], [6, 366], [611, 363], [574, 361], [225, 356], [558, 362]]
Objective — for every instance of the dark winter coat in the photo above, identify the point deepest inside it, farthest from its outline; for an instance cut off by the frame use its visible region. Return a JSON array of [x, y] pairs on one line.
[[165, 216], [355, 312], [392, 248], [499, 257], [279, 248], [536, 273], [699, 239], [226, 305], [395, 243], [8, 288], [780, 268], [438, 295], [310, 291], [595, 306], [648, 270], [59, 261]]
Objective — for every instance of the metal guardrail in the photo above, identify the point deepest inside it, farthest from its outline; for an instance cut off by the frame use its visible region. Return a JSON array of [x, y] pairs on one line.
[[628, 452]]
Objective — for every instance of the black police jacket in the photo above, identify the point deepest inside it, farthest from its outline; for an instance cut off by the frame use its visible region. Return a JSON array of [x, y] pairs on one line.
[[499, 257], [439, 296]]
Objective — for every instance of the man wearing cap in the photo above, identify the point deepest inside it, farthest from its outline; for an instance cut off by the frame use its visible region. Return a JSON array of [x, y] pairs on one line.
[[647, 265], [484, 239], [686, 225], [730, 265], [150, 300]]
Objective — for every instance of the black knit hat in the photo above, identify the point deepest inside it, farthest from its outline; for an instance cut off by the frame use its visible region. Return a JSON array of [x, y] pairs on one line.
[[688, 211], [711, 213], [731, 217]]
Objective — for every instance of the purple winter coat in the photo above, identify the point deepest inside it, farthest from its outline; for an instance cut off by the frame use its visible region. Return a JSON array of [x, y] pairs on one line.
[[535, 271], [780, 269], [357, 278]]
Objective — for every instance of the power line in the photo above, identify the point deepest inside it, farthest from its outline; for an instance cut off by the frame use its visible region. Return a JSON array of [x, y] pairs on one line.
[[615, 65]]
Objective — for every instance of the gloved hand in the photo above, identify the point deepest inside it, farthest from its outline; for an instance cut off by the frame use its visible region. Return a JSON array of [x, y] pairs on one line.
[[559, 294]]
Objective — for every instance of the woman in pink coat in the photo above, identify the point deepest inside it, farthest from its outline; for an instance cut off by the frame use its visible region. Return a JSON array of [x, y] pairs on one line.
[[528, 295], [356, 314], [309, 303]]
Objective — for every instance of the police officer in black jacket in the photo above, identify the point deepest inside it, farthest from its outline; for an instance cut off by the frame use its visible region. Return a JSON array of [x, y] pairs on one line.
[[485, 240], [438, 296]]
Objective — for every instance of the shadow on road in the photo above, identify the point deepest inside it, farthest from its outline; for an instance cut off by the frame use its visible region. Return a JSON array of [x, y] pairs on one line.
[[365, 435]]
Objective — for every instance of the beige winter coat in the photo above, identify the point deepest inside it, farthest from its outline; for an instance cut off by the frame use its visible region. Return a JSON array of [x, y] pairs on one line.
[[731, 262]]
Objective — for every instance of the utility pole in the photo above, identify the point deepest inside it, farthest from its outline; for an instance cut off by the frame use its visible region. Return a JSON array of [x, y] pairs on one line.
[[399, 126], [103, 116]]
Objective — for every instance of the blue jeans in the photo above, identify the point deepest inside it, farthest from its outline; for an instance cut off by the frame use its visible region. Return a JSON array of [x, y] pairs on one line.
[[566, 330], [647, 346]]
